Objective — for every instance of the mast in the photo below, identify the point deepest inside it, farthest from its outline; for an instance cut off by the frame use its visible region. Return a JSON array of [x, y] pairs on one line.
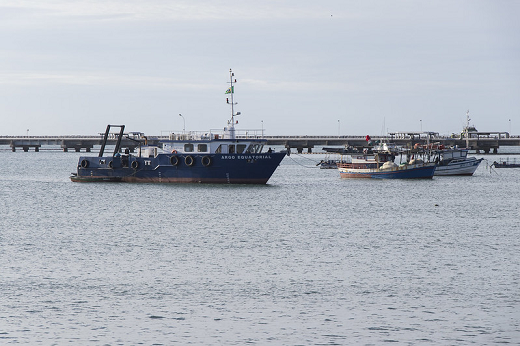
[[231, 90], [467, 129]]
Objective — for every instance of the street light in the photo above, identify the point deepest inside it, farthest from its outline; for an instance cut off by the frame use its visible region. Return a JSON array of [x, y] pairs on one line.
[[183, 122], [262, 128], [338, 127], [421, 124]]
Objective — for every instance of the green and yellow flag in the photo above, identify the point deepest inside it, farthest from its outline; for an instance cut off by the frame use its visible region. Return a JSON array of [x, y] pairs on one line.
[[230, 90]]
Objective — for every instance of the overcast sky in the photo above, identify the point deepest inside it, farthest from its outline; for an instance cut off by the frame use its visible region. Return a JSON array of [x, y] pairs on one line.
[[302, 67]]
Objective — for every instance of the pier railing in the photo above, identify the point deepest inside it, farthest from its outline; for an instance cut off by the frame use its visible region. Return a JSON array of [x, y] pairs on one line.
[[486, 144]]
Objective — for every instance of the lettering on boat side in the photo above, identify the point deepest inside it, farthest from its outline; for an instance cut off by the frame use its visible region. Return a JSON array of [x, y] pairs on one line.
[[245, 157]]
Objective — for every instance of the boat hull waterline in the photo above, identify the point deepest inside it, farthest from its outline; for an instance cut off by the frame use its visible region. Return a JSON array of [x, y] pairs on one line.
[[425, 171]]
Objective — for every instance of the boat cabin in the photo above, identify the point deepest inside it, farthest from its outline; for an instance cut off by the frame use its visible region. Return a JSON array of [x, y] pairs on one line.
[[204, 144], [453, 153], [216, 146]]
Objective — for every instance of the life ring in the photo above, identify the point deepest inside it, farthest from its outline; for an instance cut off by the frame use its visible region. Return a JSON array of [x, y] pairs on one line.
[[111, 164], [174, 151], [174, 160], [206, 161], [84, 163], [135, 165], [189, 161]]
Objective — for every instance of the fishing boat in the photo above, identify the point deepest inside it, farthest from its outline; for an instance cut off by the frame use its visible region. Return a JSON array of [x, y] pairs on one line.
[[508, 163], [329, 163], [221, 157], [454, 161], [381, 165]]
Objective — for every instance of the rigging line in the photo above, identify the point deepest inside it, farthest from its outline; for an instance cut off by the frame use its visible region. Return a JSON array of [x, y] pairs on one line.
[[300, 163], [300, 155], [491, 168]]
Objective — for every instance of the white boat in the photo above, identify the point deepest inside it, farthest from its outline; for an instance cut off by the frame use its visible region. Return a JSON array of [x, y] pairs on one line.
[[454, 161]]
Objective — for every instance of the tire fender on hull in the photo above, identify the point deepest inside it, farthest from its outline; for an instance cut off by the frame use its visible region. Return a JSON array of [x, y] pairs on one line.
[[206, 161], [189, 160]]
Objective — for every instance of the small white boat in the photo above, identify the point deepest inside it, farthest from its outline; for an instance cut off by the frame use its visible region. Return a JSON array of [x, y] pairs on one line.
[[454, 161]]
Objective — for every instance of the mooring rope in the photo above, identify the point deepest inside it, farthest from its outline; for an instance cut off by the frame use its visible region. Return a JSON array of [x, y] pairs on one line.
[[302, 164], [491, 168]]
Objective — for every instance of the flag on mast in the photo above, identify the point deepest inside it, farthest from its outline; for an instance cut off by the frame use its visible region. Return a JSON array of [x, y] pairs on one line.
[[230, 90]]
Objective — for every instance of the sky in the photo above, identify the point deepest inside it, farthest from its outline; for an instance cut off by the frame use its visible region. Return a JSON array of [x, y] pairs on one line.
[[302, 67]]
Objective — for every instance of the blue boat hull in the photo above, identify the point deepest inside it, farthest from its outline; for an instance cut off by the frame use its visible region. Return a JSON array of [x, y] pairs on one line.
[[194, 168]]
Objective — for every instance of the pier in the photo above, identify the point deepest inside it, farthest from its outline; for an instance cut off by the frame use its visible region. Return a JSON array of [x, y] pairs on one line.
[[66, 143], [480, 142]]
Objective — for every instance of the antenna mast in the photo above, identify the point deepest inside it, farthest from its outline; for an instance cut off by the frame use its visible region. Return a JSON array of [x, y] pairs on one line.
[[467, 129], [231, 90]]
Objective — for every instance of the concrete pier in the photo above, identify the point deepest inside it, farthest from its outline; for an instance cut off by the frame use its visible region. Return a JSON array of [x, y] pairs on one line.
[[480, 144]]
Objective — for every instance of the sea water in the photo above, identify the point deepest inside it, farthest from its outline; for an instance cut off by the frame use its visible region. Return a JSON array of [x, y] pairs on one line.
[[308, 259]]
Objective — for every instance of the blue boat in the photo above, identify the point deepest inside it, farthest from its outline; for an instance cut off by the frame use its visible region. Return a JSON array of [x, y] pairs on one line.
[[381, 165], [220, 157]]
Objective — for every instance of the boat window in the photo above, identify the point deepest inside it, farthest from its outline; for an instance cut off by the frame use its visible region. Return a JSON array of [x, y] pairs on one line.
[[241, 148], [202, 147], [231, 149], [255, 148], [219, 149], [188, 147]]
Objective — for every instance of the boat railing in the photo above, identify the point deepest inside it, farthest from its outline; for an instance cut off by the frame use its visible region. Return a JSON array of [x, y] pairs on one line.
[[215, 134]]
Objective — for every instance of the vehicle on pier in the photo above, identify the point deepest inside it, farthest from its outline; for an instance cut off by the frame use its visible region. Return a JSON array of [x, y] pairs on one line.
[[208, 157]]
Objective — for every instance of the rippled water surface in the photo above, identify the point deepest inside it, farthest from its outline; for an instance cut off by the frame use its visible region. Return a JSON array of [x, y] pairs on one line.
[[309, 259]]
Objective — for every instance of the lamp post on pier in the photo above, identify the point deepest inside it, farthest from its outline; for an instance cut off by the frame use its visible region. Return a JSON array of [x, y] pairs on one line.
[[183, 123]]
